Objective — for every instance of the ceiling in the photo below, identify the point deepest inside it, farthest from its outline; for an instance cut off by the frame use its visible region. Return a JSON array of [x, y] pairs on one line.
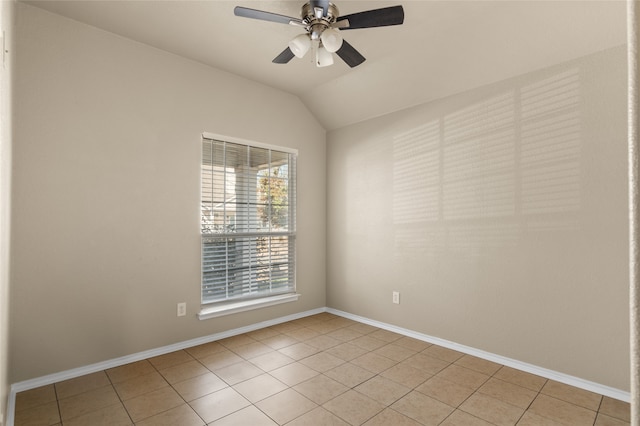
[[444, 47]]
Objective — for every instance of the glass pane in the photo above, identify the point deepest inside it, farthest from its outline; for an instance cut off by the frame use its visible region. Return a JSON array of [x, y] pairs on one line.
[[273, 199], [247, 266], [259, 158], [245, 195]]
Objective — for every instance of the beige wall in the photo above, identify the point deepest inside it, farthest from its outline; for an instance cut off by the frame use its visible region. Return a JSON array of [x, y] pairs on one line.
[[106, 193], [633, 40], [6, 29], [501, 216]]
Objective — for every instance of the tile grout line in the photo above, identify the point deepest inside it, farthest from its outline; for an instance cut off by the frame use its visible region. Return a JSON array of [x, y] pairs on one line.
[[466, 399], [186, 402], [450, 363], [595, 420], [122, 402], [532, 400], [474, 392], [55, 392], [118, 395], [275, 378], [324, 329], [175, 390]]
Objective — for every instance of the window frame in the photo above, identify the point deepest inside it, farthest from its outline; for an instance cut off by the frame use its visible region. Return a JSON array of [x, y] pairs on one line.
[[215, 308]]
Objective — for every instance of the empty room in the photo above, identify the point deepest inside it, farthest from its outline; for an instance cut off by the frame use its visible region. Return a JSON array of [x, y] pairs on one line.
[[287, 213]]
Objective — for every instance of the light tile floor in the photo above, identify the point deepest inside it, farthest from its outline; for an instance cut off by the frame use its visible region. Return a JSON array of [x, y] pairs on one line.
[[318, 370]]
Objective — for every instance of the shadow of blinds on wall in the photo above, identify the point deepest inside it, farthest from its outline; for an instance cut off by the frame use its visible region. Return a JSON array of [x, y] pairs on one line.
[[481, 176], [416, 174], [479, 153], [550, 145]]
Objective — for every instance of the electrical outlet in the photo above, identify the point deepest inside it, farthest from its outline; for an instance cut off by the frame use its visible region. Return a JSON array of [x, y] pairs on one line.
[[396, 297], [182, 309]]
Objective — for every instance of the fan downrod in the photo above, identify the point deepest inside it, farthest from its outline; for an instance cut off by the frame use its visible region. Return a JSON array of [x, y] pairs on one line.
[[316, 20]]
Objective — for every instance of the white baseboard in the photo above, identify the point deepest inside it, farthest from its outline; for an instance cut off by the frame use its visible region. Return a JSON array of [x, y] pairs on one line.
[[518, 365], [116, 362]]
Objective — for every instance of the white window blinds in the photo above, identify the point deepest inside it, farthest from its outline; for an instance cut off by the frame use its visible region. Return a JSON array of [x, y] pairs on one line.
[[247, 221]]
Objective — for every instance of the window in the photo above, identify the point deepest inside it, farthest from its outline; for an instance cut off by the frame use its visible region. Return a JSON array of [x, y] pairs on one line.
[[247, 221]]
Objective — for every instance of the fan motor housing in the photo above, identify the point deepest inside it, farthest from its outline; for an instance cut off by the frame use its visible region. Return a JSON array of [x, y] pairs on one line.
[[308, 14]]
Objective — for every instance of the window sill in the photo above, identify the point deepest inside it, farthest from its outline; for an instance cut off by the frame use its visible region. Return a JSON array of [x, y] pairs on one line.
[[246, 305]]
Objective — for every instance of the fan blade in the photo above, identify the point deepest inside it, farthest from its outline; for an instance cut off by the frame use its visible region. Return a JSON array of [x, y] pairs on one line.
[[245, 12], [284, 57], [393, 15], [350, 55]]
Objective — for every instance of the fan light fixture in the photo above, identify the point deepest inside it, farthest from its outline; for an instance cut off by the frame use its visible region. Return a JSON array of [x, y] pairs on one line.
[[324, 58], [300, 45], [331, 40]]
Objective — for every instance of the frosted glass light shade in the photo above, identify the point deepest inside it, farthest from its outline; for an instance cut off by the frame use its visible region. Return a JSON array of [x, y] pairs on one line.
[[331, 40], [324, 58], [300, 45]]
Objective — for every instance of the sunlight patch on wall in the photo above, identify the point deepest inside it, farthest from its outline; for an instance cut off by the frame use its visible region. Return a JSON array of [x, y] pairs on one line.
[[485, 174], [550, 140], [416, 174], [478, 178], [369, 174]]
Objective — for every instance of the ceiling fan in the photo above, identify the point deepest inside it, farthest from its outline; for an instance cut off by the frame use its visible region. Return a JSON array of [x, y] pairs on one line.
[[321, 20]]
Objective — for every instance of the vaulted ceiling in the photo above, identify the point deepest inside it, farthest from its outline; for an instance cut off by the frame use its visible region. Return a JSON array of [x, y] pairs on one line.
[[444, 47]]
